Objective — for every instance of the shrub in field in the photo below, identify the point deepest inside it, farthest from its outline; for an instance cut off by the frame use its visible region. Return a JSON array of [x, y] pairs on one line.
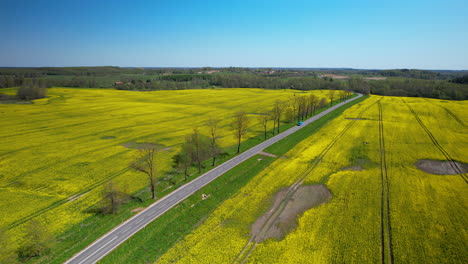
[[32, 89], [37, 240], [7, 250]]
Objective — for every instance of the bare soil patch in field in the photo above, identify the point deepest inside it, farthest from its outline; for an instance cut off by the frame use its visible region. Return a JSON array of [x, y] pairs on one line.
[[305, 198], [441, 167], [354, 168]]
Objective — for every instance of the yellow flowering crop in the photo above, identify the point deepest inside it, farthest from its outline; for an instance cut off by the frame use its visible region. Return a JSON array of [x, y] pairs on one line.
[[56, 153], [428, 213]]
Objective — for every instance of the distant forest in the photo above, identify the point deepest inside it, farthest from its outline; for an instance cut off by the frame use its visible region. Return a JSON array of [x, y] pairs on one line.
[[402, 82]]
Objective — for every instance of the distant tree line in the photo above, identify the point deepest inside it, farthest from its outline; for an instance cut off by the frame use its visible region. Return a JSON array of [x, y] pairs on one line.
[[419, 88], [415, 82], [461, 80]]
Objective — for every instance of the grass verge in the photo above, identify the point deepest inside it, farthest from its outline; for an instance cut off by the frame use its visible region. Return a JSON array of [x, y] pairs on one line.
[[156, 238]]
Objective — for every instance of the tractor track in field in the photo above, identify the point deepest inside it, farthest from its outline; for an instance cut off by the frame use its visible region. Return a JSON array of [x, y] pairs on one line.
[[449, 112], [90, 135], [21, 175], [50, 118], [62, 201], [255, 239], [27, 132], [447, 156], [386, 246], [455, 117], [78, 194], [65, 200]]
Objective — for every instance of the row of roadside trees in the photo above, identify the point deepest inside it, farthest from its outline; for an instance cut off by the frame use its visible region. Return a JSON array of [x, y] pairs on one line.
[[200, 147], [203, 144]]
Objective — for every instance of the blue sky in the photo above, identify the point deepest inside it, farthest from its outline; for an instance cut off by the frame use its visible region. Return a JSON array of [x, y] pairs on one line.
[[354, 34]]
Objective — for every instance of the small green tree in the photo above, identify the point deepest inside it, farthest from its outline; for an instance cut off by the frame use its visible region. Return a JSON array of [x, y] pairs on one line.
[[32, 89], [240, 123], [331, 96], [7, 250], [37, 241]]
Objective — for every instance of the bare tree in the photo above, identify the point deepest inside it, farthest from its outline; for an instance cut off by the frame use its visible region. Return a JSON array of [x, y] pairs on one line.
[[263, 120], [313, 102], [112, 197], [294, 105], [301, 108], [289, 114], [322, 103], [331, 95], [239, 124], [278, 110], [146, 163], [274, 119], [183, 160], [199, 148], [212, 124]]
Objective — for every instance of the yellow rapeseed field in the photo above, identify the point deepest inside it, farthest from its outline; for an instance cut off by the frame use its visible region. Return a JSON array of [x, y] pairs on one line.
[[426, 217], [58, 152]]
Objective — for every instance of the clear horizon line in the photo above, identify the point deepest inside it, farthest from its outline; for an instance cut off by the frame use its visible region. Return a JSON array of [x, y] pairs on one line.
[[247, 67]]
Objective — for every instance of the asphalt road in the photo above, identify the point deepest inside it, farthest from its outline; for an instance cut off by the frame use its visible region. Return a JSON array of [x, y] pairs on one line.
[[124, 231]]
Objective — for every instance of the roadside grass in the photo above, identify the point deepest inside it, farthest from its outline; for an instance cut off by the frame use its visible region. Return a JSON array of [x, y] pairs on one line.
[[86, 232], [57, 152], [423, 223], [156, 238]]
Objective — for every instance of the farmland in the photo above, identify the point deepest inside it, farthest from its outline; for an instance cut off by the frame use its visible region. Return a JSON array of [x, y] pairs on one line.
[[58, 152], [382, 207]]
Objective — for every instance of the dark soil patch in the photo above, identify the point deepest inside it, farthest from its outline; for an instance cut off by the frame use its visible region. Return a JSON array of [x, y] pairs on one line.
[[108, 137], [354, 168], [143, 145], [305, 198], [441, 167]]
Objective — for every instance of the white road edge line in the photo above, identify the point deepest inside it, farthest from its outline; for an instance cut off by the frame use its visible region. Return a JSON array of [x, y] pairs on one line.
[[239, 159]]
